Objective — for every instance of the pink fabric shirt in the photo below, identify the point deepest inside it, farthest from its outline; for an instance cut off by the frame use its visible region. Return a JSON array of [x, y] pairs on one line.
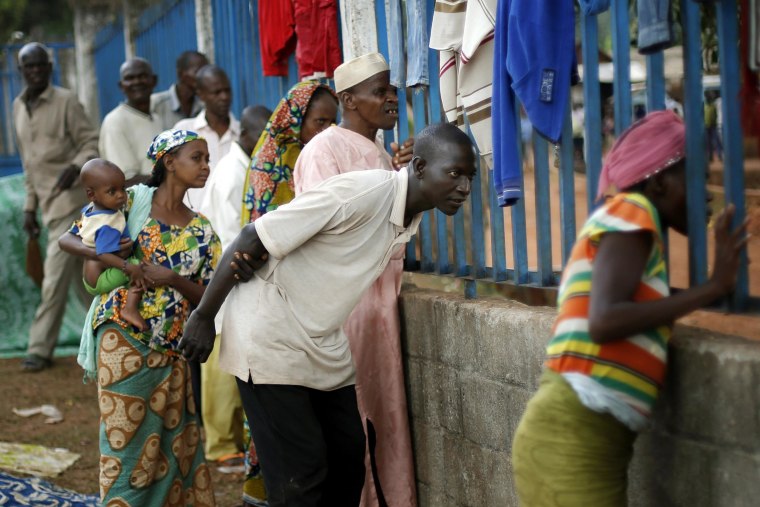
[[337, 151], [373, 328]]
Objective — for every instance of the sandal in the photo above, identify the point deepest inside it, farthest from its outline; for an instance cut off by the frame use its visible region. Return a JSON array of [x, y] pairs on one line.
[[34, 363], [231, 463]]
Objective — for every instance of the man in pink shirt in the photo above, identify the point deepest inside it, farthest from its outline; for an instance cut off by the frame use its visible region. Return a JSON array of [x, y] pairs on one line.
[[369, 103]]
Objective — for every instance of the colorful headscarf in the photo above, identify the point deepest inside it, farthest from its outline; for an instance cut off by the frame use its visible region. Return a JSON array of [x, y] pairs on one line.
[[650, 145], [269, 181], [167, 140]]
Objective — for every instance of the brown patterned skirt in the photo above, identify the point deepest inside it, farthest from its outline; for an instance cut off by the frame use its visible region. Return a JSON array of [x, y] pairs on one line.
[[150, 448]]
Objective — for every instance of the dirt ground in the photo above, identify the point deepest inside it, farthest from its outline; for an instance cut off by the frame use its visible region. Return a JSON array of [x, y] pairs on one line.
[[62, 386]]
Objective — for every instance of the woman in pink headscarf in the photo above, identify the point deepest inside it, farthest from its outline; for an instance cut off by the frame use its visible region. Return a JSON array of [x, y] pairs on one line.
[[606, 361]]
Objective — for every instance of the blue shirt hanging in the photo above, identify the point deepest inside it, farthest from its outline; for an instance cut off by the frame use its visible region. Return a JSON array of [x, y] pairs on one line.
[[534, 60]]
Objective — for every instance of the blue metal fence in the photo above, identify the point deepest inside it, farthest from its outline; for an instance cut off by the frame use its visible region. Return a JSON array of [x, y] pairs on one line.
[[485, 242], [109, 55], [163, 32], [238, 51]]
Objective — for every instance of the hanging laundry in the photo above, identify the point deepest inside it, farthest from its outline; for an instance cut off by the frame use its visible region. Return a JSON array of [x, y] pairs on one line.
[[395, 42], [463, 34], [536, 68], [593, 7], [318, 47], [359, 28], [416, 43], [655, 26], [277, 35]]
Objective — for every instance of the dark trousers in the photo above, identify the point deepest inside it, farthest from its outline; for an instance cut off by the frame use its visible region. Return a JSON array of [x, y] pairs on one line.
[[310, 444]]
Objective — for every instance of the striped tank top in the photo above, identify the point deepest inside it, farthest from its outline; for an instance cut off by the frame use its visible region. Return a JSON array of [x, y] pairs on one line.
[[629, 370]]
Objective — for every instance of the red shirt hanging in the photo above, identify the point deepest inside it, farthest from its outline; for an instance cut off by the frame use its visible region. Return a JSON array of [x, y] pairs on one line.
[[316, 26]]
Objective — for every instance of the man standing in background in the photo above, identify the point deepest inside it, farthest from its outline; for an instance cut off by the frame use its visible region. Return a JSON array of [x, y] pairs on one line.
[[55, 138], [180, 101], [215, 122], [129, 129], [222, 408]]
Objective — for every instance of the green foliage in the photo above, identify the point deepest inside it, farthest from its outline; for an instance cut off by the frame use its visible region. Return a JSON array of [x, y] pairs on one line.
[[11, 13], [46, 20]]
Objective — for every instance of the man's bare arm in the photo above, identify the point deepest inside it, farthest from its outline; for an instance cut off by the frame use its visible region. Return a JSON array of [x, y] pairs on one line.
[[247, 249]]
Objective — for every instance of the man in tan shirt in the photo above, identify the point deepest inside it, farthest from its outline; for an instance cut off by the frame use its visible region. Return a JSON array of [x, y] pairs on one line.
[[55, 138]]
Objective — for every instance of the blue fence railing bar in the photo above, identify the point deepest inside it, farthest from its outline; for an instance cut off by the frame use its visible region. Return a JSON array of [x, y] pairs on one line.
[[163, 32], [109, 55], [528, 243]]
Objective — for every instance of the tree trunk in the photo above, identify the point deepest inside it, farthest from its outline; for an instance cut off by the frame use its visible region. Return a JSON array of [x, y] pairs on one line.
[[204, 25], [88, 20]]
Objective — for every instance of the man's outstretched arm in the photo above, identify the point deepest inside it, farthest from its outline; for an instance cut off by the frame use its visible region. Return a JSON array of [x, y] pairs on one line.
[[245, 255]]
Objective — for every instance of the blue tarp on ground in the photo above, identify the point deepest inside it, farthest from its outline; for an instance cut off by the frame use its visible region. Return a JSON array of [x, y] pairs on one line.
[[15, 491], [19, 296]]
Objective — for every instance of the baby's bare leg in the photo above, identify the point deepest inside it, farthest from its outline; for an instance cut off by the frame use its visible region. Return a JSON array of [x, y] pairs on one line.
[[130, 312], [92, 270]]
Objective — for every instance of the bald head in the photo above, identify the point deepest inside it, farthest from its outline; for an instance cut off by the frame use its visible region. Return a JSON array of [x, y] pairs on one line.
[[191, 59], [33, 48], [137, 81], [442, 170], [104, 183], [98, 172], [34, 64], [207, 74], [135, 64], [253, 120], [434, 139], [213, 88]]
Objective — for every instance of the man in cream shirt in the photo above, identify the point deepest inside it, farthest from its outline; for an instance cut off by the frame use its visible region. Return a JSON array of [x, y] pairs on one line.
[[313, 259], [128, 130], [221, 408], [216, 124]]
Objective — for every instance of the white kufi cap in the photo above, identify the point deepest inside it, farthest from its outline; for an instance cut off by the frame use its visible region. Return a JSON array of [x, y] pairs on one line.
[[355, 71]]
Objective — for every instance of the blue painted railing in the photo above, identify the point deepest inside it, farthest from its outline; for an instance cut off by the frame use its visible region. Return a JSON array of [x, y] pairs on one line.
[[163, 32], [109, 55], [485, 242]]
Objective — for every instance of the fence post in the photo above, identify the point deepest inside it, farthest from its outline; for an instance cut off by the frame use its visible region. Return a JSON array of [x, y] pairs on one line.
[[88, 20], [733, 149], [129, 30], [694, 117]]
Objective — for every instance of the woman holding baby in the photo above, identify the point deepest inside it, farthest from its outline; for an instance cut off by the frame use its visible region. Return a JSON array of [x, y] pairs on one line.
[[151, 453]]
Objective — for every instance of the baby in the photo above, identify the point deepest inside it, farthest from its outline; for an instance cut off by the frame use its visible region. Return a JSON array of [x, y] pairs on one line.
[[103, 227]]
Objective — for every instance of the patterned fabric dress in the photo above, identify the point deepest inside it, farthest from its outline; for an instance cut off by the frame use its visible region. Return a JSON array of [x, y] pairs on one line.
[[150, 447], [269, 184]]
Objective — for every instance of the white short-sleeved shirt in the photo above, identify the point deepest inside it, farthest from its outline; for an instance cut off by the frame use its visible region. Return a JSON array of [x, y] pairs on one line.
[[125, 136], [218, 147], [222, 203], [326, 247]]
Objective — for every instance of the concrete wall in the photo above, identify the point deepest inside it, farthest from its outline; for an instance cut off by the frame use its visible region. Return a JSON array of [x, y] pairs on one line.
[[472, 365]]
